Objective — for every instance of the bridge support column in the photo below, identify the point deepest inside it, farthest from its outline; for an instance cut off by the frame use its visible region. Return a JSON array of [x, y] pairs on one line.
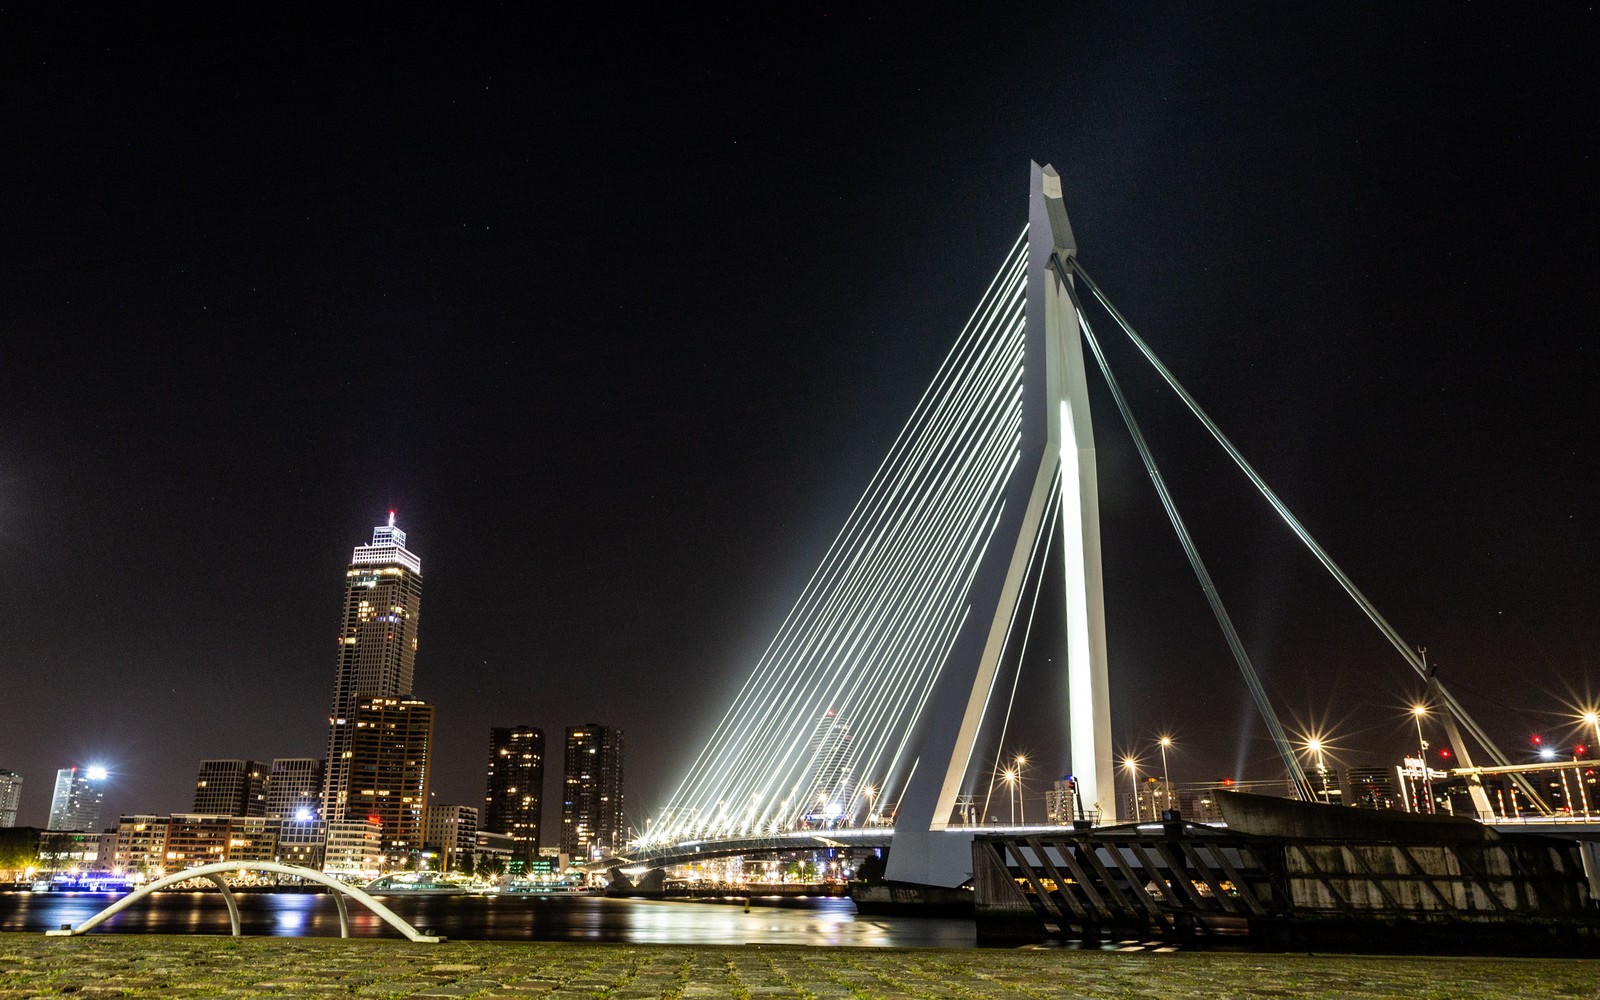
[[1056, 435]]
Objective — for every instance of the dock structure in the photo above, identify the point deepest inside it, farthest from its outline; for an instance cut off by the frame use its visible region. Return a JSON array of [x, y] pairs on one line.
[[1289, 874]]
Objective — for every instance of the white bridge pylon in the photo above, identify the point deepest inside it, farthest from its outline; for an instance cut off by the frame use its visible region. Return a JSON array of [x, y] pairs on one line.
[[864, 709], [1056, 445]]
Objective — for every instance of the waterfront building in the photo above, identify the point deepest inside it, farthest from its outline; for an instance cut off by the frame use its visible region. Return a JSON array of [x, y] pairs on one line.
[[354, 848], [377, 651], [294, 788], [10, 797], [513, 799], [391, 741], [452, 831], [195, 839], [231, 788], [65, 850], [301, 839], [591, 792], [141, 844], [252, 838], [79, 794]]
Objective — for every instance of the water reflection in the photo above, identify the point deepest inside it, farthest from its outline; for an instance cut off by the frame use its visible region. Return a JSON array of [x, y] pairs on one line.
[[523, 918]]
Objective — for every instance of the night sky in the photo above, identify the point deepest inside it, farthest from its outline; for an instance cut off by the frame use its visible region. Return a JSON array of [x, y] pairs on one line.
[[619, 314]]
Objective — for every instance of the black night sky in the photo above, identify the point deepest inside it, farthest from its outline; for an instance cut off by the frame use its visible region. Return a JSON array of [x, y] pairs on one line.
[[619, 314]]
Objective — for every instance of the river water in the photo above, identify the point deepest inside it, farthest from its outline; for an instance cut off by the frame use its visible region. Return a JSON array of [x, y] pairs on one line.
[[513, 918]]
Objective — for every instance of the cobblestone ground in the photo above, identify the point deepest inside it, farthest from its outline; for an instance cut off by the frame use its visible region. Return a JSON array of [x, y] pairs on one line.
[[126, 965]]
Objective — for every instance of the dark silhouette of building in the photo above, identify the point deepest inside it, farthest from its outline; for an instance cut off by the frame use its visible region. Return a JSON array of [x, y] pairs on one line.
[[391, 742], [513, 795], [591, 792], [231, 788]]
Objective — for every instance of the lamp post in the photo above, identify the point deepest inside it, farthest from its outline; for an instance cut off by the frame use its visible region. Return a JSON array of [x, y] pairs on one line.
[[1133, 779], [1166, 776], [870, 792], [1022, 799], [1417, 712], [1315, 746], [1010, 777]]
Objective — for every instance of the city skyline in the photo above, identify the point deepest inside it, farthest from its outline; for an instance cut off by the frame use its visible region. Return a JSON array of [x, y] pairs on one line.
[[253, 309]]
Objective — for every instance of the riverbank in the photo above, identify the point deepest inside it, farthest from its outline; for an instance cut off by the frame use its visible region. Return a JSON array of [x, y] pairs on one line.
[[127, 965]]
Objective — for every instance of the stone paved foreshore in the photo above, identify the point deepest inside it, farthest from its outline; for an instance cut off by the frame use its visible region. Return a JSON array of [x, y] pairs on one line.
[[129, 965]]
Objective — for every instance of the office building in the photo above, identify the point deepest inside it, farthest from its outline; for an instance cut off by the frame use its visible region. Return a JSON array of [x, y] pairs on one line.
[[391, 740], [10, 797], [451, 832], [1372, 787], [591, 792], [377, 650], [231, 788], [294, 788], [194, 839], [513, 798], [79, 794], [354, 847], [141, 844]]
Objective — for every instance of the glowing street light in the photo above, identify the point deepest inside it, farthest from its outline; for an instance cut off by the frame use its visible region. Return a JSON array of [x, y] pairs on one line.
[[1010, 778], [1133, 778], [1314, 747], [1417, 712], [1022, 812], [1166, 776]]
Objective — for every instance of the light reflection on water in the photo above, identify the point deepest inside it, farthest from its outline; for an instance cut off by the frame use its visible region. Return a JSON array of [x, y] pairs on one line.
[[522, 918]]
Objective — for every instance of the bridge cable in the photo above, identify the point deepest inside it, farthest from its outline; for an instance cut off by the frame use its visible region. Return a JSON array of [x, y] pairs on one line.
[[1344, 581], [1291, 763]]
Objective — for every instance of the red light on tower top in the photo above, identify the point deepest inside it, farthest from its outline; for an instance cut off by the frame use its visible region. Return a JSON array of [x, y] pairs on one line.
[[391, 519]]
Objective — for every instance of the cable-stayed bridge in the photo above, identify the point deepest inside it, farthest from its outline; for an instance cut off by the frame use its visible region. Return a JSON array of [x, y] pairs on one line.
[[861, 716]]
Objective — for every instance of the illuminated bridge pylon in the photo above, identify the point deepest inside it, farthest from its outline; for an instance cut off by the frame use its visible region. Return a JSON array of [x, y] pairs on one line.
[[866, 705]]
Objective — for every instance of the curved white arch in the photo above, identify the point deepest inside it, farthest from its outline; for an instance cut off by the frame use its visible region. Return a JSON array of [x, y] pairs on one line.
[[214, 872]]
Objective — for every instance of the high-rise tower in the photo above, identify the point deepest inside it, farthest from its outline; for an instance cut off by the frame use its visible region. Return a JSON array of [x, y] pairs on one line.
[[377, 647], [591, 792], [513, 795], [80, 791], [389, 752], [231, 788], [10, 797]]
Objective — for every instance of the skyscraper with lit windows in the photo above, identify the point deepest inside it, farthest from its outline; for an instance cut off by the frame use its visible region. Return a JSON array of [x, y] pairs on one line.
[[513, 797], [10, 797], [377, 649], [79, 794], [389, 753], [591, 792]]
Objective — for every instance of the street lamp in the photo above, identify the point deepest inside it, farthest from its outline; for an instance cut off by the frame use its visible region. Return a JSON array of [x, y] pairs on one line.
[[1010, 778], [1417, 712], [1133, 779], [1021, 797], [1315, 746], [870, 792], [1166, 776]]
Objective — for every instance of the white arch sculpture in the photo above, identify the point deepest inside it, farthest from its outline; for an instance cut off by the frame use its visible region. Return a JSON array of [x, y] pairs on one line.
[[214, 872]]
